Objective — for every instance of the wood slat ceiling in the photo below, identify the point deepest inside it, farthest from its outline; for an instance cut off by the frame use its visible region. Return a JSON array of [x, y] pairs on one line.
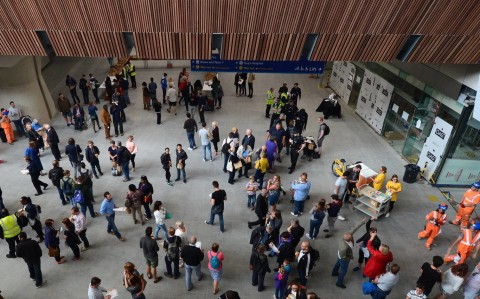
[[20, 42], [373, 30]]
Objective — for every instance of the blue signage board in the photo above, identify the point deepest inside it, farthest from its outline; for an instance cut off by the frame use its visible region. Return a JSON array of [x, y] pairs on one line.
[[247, 66]]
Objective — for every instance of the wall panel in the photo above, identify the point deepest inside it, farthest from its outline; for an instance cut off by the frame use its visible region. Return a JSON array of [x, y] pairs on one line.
[[160, 45], [87, 44], [20, 42]]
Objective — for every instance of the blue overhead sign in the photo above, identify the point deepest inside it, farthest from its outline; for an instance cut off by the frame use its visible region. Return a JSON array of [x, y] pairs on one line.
[[246, 66]]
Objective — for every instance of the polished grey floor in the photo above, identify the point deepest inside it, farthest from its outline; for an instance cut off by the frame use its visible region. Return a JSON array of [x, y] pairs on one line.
[[350, 138]]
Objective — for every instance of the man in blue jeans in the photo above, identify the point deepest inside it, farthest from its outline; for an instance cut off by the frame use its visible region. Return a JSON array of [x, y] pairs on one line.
[[123, 158], [218, 197], [301, 188], [190, 127], [107, 209], [192, 258], [205, 140]]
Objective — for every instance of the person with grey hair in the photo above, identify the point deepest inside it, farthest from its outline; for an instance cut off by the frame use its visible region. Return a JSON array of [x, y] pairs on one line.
[[192, 257]]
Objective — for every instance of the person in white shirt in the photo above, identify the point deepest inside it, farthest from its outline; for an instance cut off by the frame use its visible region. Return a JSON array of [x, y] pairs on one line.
[[95, 291], [80, 223], [205, 136], [386, 282], [181, 232], [417, 293], [452, 280], [471, 288], [15, 116], [159, 213], [172, 100]]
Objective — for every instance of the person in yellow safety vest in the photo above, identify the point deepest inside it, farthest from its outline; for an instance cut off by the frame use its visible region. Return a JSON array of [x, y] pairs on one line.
[[132, 73], [435, 219], [284, 96], [469, 201], [269, 102], [9, 230], [468, 242], [125, 71]]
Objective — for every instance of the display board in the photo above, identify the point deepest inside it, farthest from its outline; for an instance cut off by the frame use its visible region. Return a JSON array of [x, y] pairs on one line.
[[459, 172], [434, 147], [341, 80], [294, 67], [374, 100]]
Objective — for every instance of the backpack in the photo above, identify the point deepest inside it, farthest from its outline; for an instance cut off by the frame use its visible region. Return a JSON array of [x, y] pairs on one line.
[[87, 180], [314, 257], [78, 197], [214, 261], [67, 187], [226, 147], [327, 130], [172, 250]]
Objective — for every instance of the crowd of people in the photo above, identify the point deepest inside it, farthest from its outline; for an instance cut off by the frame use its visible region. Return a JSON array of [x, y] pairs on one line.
[[285, 248]]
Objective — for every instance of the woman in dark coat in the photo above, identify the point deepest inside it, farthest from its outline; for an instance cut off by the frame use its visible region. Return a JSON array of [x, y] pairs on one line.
[[52, 242], [147, 190], [34, 172], [32, 135], [215, 136], [71, 238]]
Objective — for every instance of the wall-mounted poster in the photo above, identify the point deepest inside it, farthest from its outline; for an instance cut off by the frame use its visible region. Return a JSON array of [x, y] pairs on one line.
[[342, 82]]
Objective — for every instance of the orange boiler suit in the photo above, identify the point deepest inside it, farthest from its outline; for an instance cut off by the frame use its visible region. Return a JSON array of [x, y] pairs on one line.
[[435, 220], [465, 248], [471, 197]]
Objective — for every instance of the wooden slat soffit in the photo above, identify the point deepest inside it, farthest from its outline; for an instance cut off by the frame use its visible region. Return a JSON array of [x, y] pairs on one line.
[[373, 30]]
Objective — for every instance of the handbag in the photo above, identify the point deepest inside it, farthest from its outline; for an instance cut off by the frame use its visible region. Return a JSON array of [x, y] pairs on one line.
[[368, 287], [229, 166], [168, 215], [128, 210], [128, 203], [238, 165], [179, 165], [53, 252]]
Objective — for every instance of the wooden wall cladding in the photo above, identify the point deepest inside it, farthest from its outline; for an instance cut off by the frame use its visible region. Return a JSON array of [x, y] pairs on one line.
[[357, 47], [262, 46], [20, 42], [87, 43], [447, 49], [160, 45]]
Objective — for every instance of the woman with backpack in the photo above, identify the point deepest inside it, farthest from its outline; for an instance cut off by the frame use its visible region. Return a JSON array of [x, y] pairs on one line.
[[74, 153], [215, 263], [83, 196]]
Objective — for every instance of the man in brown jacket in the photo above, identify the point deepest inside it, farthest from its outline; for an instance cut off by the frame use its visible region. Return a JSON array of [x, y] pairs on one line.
[[107, 120], [64, 106]]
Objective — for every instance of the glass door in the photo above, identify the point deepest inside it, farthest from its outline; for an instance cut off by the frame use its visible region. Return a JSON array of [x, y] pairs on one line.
[[398, 121], [357, 84]]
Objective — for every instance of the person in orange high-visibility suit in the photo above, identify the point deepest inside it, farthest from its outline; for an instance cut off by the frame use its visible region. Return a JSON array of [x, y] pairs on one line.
[[435, 219], [470, 199], [467, 243]]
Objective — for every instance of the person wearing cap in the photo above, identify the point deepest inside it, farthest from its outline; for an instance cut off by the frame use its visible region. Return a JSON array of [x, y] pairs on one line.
[[469, 201], [467, 242], [435, 219], [296, 146]]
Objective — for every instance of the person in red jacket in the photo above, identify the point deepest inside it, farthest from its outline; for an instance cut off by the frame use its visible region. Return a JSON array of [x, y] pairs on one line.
[[378, 259]]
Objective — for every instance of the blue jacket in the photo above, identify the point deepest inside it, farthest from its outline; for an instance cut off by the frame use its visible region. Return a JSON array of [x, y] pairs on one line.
[[301, 190], [51, 239]]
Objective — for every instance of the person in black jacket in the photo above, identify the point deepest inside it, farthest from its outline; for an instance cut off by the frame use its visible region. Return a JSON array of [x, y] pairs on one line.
[[34, 172], [259, 266], [53, 141], [261, 209], [31, 210], [285, 248], [166, 165], [249, 138], [123, 159], [71, 238], [364, 240], [31, 252], [180, 162], [91, 154], [55, 175], [296, 230], [192, 258], [116, 110], [305, 262], [262, 235], [74, 153]]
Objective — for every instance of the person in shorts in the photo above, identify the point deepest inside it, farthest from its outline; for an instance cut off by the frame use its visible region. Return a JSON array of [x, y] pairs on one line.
[[150, 252], [172, 100]]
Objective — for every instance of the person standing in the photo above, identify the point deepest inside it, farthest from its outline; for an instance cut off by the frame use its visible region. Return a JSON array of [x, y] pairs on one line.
[[277, 108], [435, 219], [52, 241], [123, 159], [471, 288], [180, 162], [72, 86], [146, 96], [106, 120], [157, 107], [172, 246], [6, 125], [379, 178], [163, 82], [132, 73], [34, 171], [159, 212], [345, 254], [205, 136], [215, 136], [452, 281], [201, 104], [259, 266], [218, 197], [317, 214], [215, 265], [107, 209], [431, 274], [133, 149], [261, 209], [393, 188], [385, 282], [379, 258], [135, 197], [55, 175], [91, 154], [71, 238], [15, 116], [251, 78], [192, 257], [147, 190], [31, 253], [152, 88], [301, 188], [65, 108], [305, 261], [150, 252], [190, 126], [166, 161], [468, 203], [295, 93], [9, 230], [269, 102], [80, 222], [322, 132], [94, 85], [95, 291], [83, 196], [74, 153], [32, 211], [467, 243], [117, 114], [92, 112], [53, 141], [172, 99], [83, 85], [297, 145]]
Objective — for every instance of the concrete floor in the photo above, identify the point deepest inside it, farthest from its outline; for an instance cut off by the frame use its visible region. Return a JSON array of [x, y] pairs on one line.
[[350, 138]]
